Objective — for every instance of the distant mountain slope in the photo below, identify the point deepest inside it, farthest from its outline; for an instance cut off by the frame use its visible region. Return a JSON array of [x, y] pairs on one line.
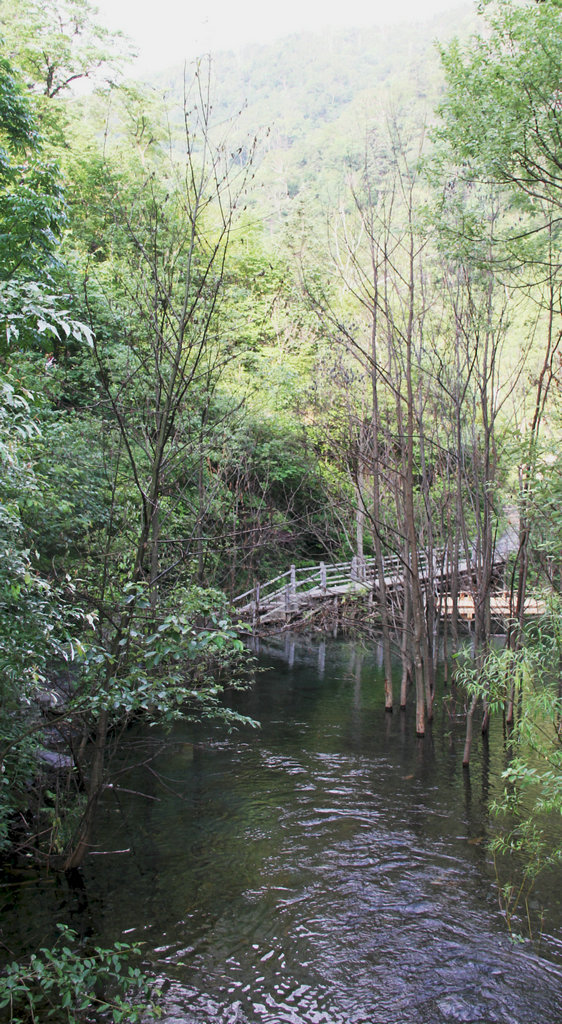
[[313, 95]]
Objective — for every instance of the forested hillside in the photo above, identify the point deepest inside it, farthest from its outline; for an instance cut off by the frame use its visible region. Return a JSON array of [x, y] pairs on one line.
[[303, 305], [311, 98]]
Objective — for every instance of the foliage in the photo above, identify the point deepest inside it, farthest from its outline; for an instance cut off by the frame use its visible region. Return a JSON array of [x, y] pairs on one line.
[[31, 205], [31, 317], [58, 42], [527, 839], [545, 514], [175, 667], [500, 122], [38, 624], [67, 985], [508, 86], [18, 129]]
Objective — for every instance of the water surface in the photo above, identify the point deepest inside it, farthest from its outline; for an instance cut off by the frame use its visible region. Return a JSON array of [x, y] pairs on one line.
[[327, 868]]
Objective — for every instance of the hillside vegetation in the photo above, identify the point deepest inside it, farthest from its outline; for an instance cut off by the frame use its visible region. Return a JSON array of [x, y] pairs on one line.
[[311, 98]]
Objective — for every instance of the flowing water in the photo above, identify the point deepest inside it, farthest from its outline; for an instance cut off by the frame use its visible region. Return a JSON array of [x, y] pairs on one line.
[[326, 868]]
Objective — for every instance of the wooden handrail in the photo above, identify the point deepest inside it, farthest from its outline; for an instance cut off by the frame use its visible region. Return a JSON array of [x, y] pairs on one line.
[[326, 576]]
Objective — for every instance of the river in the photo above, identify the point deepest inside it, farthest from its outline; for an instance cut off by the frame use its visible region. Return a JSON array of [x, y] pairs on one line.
[[327, 867]]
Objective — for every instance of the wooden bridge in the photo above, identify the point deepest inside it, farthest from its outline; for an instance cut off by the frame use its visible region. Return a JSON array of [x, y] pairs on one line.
[[291, 595]]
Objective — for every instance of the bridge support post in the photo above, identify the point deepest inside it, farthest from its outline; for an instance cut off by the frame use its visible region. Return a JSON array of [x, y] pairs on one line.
[[354, 569], [293, 587], [323, 576], [256, 608]]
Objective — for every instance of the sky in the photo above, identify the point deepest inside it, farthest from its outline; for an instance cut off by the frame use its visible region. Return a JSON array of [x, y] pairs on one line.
[[168, 31]]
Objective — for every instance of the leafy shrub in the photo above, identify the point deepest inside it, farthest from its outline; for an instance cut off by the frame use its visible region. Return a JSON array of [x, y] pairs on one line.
[[66, 987]]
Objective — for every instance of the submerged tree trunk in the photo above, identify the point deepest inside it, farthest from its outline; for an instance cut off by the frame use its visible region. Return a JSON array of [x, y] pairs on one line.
[[377, 504], [405, 644], [468, 737]]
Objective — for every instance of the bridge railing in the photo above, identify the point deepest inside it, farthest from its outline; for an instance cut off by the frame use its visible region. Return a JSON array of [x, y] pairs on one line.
[[263, 587], [323, 575], [324, 578]]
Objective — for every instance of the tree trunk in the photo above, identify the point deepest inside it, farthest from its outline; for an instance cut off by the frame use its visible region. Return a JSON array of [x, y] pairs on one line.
[[82, 842]]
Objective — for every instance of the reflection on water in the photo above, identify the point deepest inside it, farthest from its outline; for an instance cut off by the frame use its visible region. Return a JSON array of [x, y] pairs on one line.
[[328, 867]]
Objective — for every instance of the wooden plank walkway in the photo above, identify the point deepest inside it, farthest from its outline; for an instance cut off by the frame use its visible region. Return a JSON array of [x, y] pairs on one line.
[[502, 606]]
